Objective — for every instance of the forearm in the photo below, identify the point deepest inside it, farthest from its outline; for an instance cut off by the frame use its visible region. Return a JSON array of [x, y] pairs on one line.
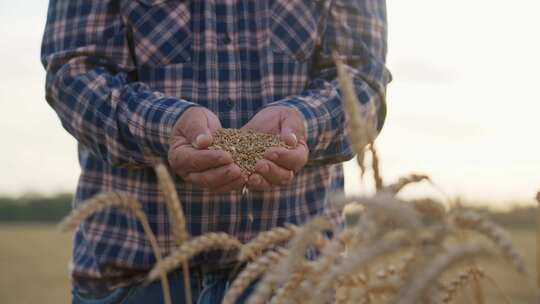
[[123, 123], [325, 117], [357, 32], [91, 87]]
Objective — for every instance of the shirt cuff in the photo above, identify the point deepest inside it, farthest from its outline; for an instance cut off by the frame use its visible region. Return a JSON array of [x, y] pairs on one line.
[[311, 121], [159, 122]]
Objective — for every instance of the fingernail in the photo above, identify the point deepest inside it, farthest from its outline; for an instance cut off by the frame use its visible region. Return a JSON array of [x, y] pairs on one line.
[[295, 139], [199, 140]]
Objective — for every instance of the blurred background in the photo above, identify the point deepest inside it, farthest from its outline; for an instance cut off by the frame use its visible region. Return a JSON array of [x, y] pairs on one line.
[[463, 108]]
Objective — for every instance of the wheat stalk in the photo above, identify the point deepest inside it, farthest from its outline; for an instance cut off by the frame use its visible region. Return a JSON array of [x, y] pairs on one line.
[[174, 206], [191, 248], [176, 218], [128, 203]]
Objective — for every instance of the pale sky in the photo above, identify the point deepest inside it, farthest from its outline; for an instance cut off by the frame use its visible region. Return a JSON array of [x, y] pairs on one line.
[[464, 106]]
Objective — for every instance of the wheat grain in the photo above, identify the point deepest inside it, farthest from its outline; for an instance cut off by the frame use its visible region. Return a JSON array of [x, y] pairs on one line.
[[451, 288], [245, 146], [191, 248]]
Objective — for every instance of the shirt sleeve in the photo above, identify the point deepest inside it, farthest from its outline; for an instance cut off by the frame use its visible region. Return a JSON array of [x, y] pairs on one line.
[[90, 83], [357, 30]]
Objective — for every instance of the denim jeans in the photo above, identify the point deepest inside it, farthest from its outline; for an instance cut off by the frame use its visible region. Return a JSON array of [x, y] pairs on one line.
[[207, 288]]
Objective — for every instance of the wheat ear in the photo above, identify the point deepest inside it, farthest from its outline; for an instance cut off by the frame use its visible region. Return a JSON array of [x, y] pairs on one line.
[[361, 131], [430, 208], [191, 248], [128, 203], [376, 167], [265, 240], [309, 234], [252, 271], [284, 293], [353, 263], [389, 207], [451, 288], [351, 289], [405, 181], [413, 292], [96, 204], [176, 218], [474, 221]]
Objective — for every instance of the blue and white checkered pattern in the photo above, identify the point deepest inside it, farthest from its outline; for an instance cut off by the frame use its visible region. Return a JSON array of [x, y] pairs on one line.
[[121, 72]]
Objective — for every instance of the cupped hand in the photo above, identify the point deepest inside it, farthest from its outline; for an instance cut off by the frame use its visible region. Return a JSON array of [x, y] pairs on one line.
[[191, 159], [279, 164]]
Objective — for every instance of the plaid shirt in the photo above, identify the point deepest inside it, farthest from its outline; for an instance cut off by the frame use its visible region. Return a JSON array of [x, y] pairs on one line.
[[120, 73]]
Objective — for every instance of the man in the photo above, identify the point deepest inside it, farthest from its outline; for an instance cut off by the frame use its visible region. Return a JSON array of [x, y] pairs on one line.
[[138, 80]]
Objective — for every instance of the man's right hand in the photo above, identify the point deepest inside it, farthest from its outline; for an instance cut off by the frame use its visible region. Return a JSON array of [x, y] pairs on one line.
[[190, 158]]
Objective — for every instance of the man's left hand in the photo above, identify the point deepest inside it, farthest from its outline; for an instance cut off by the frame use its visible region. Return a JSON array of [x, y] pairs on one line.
[[279, 164]]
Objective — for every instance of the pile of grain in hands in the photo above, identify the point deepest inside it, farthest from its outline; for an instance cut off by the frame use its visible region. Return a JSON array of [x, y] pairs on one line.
[[245, 146]]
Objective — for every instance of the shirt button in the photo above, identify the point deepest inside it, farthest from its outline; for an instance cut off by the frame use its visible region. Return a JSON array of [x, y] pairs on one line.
[[227, 39], [229, 103]]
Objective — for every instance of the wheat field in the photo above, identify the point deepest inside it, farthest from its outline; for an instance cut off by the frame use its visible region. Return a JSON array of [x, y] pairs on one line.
[[33, 267], [391, 251]]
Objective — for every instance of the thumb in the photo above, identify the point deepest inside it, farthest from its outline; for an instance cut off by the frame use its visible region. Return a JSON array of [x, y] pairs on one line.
[[293, 128], [198, 133], [288, 136], [291, 131]]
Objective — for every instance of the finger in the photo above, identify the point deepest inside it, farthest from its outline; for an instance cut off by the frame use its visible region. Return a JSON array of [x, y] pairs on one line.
[[257, 183], [237, 184], [216, 177], [291, 159], [273, 173], [292, 128], [187, 159], [197, 126], [289, 138]]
